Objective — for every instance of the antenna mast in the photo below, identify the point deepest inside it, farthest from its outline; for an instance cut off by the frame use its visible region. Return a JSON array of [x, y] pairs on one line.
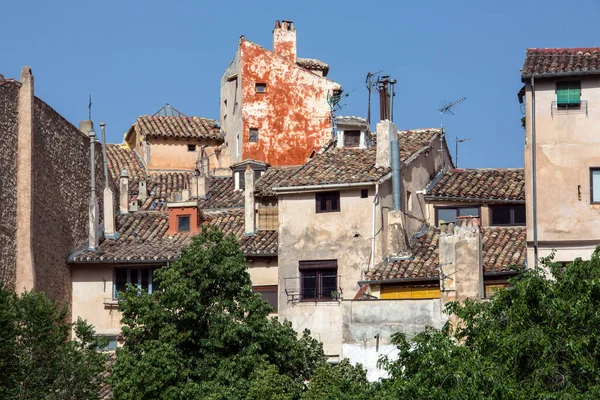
[[370, 82], [456, 152], [447, 108], [90, 108]]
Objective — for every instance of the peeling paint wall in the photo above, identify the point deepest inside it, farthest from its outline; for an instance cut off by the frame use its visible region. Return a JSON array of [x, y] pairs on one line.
[[292, 115], [568, 144]]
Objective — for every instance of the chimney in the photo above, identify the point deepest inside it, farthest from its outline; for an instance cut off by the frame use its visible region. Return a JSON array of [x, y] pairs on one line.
[[86, 126], [199, 186], [25, 268], [107, 196], [284, 40], [461, 272], [133, 205], [185, 194], [93, 206], [249, 202], [142, 190], [124, 192], [385, 130]]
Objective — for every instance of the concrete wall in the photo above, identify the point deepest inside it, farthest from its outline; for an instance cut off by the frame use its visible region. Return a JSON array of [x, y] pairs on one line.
[[231, 107], [292, 116], [568, 144], [306, 235], [9, 93], [61, 191], [92, 286], [363, 320]]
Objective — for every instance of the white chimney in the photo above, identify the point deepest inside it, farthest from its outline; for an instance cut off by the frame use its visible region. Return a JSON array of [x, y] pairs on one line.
[[249, 202], [284, 40], [143, 190], [93, 205], [124, 192], [108, 199], [384, 130]]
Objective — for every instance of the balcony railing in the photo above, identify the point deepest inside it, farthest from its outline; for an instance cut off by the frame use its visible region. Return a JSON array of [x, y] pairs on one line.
[[326, 289]]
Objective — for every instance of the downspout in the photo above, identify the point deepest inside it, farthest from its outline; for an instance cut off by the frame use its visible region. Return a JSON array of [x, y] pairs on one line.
[[533, 167], [375, 198], [395, 159]]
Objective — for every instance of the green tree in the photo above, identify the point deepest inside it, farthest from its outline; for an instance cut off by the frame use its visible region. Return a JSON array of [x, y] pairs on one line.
[[205, 334], [37, 359], [539, 339], [341, 381]]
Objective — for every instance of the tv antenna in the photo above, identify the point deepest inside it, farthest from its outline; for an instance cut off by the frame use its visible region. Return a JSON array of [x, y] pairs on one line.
[[456, 152], [447, 108], [371, 82], [90, 108]]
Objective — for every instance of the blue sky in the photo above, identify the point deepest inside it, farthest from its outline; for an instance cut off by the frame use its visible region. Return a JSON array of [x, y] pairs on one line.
[[134, 56]]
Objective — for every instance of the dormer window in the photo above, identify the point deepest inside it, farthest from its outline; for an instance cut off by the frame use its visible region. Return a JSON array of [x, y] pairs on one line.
[[183, 223], [351, 138], [184, 217]]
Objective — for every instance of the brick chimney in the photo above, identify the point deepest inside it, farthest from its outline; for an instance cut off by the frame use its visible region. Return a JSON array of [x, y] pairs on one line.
[[249, 226], [461, 272], [284, 39]]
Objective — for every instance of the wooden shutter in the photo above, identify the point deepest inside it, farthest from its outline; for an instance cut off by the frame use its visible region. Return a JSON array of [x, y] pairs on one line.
[[568, 93]]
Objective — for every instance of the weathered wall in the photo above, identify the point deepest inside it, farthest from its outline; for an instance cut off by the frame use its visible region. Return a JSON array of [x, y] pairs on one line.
[[230, 107], [264, 271], [8, 174], [568, 144], [292, 116], [92, 287], [61, 191], [364, 320], [173, 154], [306, 235]]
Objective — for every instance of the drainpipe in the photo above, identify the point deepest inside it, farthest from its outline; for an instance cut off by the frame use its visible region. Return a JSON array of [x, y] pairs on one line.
[[533, 167], [375, 198], [395, 159]]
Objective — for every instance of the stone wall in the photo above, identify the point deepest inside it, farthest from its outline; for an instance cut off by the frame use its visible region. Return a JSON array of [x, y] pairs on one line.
[[9, 92], [61, 191]]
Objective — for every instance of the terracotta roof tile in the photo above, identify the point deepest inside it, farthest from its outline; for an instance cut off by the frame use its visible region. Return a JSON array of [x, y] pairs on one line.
[[272, 177], [120, 157], [222, 194], [352, 165], [492, 184], [313, 64], [561, 62], [261, 243], [105, 389], [178, 127], [502, 247]]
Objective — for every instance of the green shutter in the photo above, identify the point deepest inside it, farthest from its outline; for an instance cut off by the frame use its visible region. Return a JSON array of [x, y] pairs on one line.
[[568, 93]]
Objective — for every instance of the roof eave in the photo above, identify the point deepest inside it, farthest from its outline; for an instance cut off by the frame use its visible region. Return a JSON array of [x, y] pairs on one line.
[[473, 199], [525, 77]]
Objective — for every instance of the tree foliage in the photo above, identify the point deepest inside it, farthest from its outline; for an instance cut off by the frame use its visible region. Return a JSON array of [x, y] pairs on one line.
[[539, 339], [205, 334], [37, 359]]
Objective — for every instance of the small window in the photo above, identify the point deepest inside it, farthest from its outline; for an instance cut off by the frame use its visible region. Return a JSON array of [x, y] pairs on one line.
[[141, 277], [183, 223], [409, 201], [253, 135], [327, 202], [191, 147], [261, 88], [595, 185], [111, 345], [268, 293], [364, 193], [268, 215], [351, 138], [318, 280], [568, 94], [507, 215], [449, 214]]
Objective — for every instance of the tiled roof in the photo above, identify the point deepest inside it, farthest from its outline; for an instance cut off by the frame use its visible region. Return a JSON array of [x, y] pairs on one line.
[[222, 194], [561, 62], [143, 237], [492, 184], [313, 64], [273, 177], [502, 247], [178, 127], [105, 389], [353, 165], [120, 157]]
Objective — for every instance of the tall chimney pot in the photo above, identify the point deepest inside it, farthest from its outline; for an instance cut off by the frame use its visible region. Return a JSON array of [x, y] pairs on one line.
[[124, 192], [93, 206], [249, 223], [284, 40]]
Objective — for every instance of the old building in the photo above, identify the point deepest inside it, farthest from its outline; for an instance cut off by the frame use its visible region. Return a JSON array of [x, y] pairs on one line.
[[561, 151], [44, 190], [276, 107]]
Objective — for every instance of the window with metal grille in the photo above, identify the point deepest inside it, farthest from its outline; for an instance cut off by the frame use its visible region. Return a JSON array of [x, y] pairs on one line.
[[351, 138], [253, 135], [318, 280], [268, 215], [568, 94], [327, 202]]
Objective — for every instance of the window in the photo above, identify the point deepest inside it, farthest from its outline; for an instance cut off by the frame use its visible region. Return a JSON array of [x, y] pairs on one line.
[[183, 223], [351, 138], [327, 202], [568, 94], [191, 147], [111, 345], [268, 215], [242, 177], [364, 193], [410, 292], [449, 214], [595, 185], [409, 201], [507, 215], [268, 293], [318, 280], [491, 288], [253, 135], [141, 277], [261, 88]]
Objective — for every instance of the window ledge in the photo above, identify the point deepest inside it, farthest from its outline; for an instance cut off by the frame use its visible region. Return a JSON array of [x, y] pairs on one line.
[[582, 109]]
